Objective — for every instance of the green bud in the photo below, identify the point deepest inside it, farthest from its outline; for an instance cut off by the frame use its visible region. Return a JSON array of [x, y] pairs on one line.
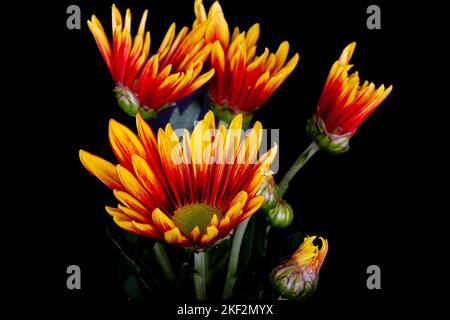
[[333, 143], [281, 215], [293, 282], [269, 190]]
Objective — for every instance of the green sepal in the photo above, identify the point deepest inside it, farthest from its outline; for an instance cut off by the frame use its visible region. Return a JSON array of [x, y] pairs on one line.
[[224, 113], [129, 103], [330, 142]]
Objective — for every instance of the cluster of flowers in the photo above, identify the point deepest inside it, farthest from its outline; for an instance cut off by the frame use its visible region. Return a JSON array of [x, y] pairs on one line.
[[196, 204]]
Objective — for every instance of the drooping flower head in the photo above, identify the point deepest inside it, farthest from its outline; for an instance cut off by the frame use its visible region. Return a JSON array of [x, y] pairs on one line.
[[343, 105], [298, 276], [243, 79], [147, 85], [190, 193]]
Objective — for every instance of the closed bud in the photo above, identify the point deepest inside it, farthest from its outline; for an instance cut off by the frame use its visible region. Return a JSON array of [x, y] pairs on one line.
[[281, 215], [298, 276], [269, 190]]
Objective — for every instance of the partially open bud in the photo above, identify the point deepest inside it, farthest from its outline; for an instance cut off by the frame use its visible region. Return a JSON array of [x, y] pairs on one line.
[[298, 276], [269, 190], [333, 143], [344, 104], [281, 215], [129, 103]]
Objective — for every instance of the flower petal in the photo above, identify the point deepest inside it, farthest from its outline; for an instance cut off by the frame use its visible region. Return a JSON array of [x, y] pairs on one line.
[[131, 202], [194, 235], [211, 234], [132, 214], [251, 207], [124, 143], [240, 197], [134, 187], [116, 213], [124, 224], [102, 169], [234, 212], [146, 230], [162, 221], [174, 236]]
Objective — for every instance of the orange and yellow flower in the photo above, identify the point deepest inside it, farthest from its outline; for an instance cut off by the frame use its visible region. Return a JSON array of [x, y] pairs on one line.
[[344, 104], [243, 80], [190, 193], [147, 85], [298, 276], [308, 255]]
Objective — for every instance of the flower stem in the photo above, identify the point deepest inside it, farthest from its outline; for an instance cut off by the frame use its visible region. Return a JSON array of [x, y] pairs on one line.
[[164, 263], [298, 164], [200, 274], [234, 259]]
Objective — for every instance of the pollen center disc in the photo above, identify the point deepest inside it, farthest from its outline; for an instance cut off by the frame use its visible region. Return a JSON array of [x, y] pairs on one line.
[[188, 217]]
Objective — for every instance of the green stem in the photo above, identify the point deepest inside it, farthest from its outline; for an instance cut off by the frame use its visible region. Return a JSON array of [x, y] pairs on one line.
[[298, 164], [200, 274], [164, 263], [234, 259]]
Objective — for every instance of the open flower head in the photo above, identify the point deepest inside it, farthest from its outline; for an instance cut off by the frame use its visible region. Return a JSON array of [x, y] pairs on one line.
[[191, 192], [298, 276], [243, 79], [147, 85], [343, 105]]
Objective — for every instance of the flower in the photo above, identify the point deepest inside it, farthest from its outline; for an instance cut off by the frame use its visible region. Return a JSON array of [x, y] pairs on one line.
[[190, 193], [243, 80], [343, 105], [281, 215], [144, 85], [298, 276]]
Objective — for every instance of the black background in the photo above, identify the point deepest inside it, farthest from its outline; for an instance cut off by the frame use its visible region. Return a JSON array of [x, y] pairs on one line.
[[361, 201]]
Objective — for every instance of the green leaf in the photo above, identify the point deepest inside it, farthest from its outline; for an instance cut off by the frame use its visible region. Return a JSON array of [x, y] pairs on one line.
[[186, 119]]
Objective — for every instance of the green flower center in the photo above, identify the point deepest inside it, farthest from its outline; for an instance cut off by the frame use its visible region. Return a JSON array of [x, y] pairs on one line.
[[188, 217]]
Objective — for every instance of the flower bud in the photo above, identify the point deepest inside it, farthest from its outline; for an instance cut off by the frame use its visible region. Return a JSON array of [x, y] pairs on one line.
[[269, 190], [298, 276], [344, 104], [333, 143], [281, 215]]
